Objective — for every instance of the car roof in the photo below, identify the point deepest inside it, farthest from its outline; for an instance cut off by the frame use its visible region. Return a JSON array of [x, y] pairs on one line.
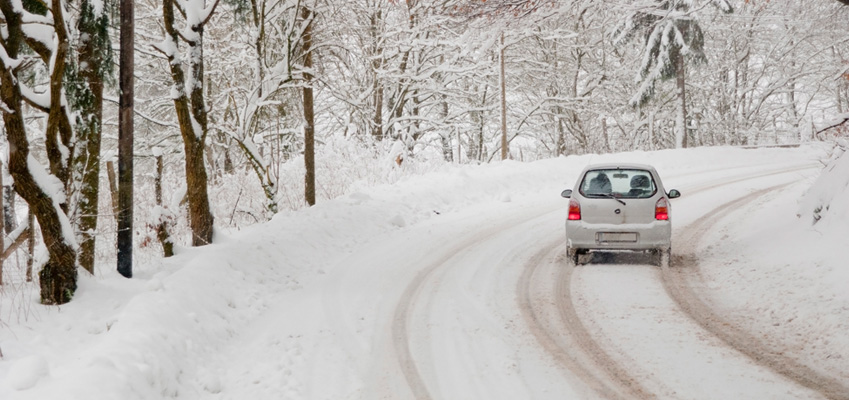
[[619, 166]]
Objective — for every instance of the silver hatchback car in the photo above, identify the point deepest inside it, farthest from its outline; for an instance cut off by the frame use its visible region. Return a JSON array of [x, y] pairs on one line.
[[619, 207]]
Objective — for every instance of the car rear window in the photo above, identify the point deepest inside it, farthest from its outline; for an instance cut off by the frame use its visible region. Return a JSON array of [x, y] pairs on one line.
[[624, 183]]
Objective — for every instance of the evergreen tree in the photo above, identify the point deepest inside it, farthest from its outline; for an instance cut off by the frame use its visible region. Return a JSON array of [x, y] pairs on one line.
[[671, 38]]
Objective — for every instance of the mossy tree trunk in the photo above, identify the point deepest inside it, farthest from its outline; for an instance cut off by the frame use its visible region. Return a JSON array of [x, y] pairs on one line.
[[58, 277], [95, 64]]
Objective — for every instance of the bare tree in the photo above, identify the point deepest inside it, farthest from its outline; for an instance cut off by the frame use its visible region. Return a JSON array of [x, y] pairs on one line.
[[263, 99], [510, 8]]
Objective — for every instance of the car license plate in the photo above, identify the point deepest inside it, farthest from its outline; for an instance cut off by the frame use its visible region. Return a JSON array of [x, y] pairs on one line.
[[617, 237]]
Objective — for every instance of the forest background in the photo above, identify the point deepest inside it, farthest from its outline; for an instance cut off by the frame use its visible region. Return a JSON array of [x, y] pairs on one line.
[[244, 109]]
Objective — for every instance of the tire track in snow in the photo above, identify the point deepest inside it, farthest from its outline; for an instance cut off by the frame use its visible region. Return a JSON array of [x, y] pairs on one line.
[[567, 339], [591, 363], [403, 311], [575, 349], [681, 281]]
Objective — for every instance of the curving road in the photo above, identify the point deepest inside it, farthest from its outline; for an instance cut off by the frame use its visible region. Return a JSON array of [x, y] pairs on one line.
[[491, 309]]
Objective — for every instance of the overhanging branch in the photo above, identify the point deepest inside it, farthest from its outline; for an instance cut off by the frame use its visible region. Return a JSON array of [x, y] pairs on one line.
[[845, 118]]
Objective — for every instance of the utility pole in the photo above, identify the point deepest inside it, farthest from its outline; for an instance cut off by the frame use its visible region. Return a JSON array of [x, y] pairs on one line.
[[125, 142], [504, 150], [309, 113]]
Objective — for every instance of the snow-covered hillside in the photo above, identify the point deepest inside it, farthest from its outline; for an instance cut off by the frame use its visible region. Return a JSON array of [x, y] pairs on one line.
[[320, 303]]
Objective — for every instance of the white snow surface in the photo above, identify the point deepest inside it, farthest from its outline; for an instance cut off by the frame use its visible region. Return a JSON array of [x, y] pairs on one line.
[[302, 307]]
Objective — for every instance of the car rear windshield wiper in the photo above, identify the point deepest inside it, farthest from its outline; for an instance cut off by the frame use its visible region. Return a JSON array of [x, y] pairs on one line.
[[612, 196]]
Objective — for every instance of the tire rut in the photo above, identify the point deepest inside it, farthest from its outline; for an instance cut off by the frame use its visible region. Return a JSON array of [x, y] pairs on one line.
[[404, 310], [682, 279], [590, 362], [573, 347]]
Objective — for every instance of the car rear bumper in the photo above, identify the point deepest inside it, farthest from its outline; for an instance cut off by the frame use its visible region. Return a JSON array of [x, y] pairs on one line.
[[654, 235]]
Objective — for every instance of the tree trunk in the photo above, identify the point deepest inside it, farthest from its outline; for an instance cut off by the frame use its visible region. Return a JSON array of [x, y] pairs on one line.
[[162, 233], [403, 85], [309, 115], [30, 245], [445, 136], [503, 83], [200, 217], [377, 123], [59, 133], [196, 176], [681, 118], [87, 159], [113, 187], [191, 113], [604, 134], [10, 220], [651, 130], [377, 87], [125, 142], [58, 277]]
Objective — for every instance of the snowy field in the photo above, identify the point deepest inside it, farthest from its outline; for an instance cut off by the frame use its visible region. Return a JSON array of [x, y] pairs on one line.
[[453, 285]]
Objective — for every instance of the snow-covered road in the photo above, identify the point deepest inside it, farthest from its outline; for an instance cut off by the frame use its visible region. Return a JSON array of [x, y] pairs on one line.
[[456, 286], [495, 312]]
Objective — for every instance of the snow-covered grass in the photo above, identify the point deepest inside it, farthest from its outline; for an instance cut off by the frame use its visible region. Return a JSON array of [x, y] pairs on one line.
[[170, 331]]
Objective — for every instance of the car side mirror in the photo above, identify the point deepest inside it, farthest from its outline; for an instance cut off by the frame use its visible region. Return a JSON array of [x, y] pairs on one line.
[[566, 193], [674, 194]]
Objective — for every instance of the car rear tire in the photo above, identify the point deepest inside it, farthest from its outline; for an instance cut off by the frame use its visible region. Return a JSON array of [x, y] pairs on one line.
[[663, 256], [573, 255]]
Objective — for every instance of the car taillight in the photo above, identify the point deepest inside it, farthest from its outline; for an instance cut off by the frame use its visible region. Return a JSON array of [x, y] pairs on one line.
[[574, 210], [661, 209]]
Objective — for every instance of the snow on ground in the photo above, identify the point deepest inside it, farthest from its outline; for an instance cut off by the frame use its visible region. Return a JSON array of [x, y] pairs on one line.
[[785, 276], [249, 316]]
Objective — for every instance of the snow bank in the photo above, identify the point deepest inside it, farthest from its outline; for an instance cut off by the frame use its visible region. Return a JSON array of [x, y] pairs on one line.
[[827, 201]]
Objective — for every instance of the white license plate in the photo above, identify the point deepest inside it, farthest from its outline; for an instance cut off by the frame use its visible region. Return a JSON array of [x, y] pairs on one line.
[[617, 237]]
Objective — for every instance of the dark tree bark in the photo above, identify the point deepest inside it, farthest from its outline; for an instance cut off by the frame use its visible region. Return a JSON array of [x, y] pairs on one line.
[[125, 141], [10, 220], [309, 115], [113, 188], [59, 131], [30, 244], [162, 233], [92, 54], [191, 109], [58, 277]]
